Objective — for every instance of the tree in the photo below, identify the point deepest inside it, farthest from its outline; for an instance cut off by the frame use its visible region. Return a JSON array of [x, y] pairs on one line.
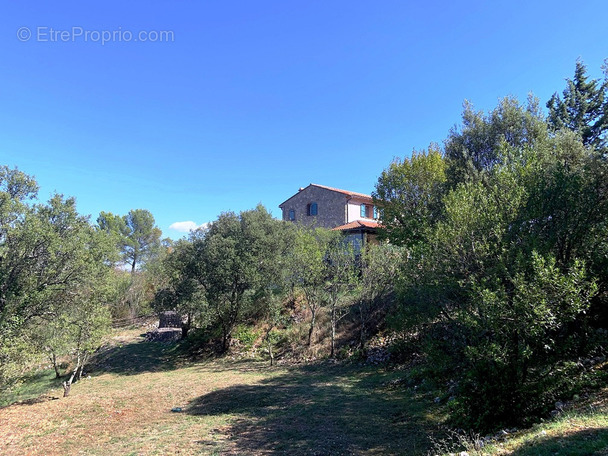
[[501, 291], [340, 278], [472, 150], [49, 254], [408, 195], [379, 271], [308, 268], [180, 287], [136, 235], [237, 260], [583, 108]]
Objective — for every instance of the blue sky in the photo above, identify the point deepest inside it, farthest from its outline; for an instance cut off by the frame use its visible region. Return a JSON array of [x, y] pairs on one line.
[[243, 102]]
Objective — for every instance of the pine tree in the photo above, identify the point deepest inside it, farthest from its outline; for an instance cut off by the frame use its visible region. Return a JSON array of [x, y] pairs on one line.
[[583, 108]]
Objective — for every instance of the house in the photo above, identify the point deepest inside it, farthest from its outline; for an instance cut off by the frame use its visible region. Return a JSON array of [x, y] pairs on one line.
[[320, 206]]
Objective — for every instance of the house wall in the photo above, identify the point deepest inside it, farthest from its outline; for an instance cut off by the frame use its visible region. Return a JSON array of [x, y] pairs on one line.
[[331, 207], [354, 210]]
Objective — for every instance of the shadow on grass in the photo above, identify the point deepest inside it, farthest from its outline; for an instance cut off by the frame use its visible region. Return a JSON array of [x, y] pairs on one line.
[[135, 358], [32, 390], [582, 443], [320, 410]]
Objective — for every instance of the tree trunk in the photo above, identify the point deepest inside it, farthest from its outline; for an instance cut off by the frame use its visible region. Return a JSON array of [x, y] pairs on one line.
[[55, 366], [225, 340], [186, 327], [85, 359], [66, 388], [362, 330], [76, 374], [134, 263], [333, 331], [67, 385], [270, 353], [269, 342], [312, 325]]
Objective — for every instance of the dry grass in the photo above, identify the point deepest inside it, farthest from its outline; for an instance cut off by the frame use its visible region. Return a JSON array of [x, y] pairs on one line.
[[228, 407]]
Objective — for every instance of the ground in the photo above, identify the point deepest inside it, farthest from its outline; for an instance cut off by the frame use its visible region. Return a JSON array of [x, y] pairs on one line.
[[143, 398], [227, 407]]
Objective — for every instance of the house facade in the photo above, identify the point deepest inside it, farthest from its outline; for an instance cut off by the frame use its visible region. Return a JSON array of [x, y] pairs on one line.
[[321, 206]]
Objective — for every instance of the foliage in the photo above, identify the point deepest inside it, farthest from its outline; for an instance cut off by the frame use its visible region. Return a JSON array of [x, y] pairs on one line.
[[379, 269], [227, 272], [340, 278], [246, 336], [179, 286], [583, 108], [239, 259], [503, 291], [136, 235], [53, 265], [472, 150], [408, 195], [307, 268]]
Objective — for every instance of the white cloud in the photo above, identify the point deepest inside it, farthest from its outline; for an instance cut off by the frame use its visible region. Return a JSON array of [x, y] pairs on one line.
[[186, 227]]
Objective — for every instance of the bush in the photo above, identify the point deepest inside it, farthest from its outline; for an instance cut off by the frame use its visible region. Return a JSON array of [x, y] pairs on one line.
[[246, 336]]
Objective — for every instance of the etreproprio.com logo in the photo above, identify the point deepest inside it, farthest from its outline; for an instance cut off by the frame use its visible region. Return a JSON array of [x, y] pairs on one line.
[[44, 34]]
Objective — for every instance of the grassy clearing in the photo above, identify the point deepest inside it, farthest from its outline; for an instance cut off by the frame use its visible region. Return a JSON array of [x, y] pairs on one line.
[[246, 407], [32, 388], [228, 407]]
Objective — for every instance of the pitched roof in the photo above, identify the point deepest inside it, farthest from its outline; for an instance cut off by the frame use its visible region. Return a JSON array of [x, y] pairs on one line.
[[357, 224], [344, 192]]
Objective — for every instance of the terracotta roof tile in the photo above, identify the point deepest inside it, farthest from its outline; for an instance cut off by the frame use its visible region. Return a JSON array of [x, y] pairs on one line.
[[357, 224]]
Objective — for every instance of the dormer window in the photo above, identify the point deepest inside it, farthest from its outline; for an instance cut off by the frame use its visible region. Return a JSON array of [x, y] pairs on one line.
[[311, 209], [292, 215]]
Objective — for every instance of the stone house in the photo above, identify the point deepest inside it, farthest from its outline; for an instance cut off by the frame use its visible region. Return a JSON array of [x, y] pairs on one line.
[[320, 206]]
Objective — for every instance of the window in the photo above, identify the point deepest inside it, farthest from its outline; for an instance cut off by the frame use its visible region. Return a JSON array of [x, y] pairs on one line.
[[375, 212], [311, 209], [366, 211], [292, 215]]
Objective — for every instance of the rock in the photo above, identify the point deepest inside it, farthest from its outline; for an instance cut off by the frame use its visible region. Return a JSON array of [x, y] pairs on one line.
[[169, 319], [165, 335]]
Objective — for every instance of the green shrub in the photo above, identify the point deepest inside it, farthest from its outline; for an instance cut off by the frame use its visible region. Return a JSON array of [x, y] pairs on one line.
[[246, 336]]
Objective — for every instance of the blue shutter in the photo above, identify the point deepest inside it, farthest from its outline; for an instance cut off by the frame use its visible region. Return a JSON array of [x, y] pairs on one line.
[[363, 210], [313, 209], [375, 212]]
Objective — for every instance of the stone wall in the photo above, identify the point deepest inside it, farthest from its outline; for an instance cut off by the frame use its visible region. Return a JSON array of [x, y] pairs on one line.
[[331, 207], [169, 319]]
